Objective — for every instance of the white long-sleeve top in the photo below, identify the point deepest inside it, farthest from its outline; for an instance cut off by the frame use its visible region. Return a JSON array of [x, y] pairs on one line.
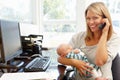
[[113, 47]]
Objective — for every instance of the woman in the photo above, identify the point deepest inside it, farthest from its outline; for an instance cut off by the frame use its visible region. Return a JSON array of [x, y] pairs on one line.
[[99, 45]]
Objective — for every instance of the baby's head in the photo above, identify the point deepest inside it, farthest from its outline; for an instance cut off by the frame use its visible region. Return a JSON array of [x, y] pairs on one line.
[[64, 49]]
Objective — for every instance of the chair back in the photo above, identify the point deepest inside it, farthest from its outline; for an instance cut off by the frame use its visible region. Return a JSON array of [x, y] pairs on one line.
[[116, 67]]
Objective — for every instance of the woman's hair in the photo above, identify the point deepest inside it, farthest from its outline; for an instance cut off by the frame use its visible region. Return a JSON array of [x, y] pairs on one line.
[[100, 9]]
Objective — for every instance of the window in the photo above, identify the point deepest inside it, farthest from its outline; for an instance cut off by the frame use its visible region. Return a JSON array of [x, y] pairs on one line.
[[114, 8], [17, 10], [59, 20]]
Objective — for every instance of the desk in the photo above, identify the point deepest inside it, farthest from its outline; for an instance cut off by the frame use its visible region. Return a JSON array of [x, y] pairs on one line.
[[55, 69], [28, 76]]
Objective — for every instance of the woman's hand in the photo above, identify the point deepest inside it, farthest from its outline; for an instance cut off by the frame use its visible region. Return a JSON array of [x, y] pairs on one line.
[[106, 28], [82, 67]]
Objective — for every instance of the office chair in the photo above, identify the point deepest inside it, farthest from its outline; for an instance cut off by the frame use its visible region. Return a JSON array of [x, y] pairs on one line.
[[115, 70], [116, 67]]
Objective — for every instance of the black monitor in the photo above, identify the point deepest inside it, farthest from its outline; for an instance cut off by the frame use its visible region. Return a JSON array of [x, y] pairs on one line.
[[10, 42]]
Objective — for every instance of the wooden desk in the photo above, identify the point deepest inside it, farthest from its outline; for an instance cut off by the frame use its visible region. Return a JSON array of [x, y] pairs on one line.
[[54, 67]]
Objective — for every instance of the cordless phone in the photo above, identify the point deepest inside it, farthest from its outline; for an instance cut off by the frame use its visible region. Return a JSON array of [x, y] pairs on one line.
[[101, 26]]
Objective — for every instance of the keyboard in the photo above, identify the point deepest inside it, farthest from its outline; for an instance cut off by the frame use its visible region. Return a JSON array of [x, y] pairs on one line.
[[38, 64]]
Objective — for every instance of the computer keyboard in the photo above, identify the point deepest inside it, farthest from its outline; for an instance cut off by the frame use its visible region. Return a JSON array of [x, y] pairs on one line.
[[38, 64]]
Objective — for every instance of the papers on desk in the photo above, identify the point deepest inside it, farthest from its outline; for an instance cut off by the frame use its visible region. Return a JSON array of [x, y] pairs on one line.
[[29, 76]]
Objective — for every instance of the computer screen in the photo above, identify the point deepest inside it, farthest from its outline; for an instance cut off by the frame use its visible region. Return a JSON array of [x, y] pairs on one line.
[[10, 41]]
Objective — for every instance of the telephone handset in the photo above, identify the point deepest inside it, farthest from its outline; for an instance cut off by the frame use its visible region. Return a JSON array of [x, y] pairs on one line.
[[101, 26]]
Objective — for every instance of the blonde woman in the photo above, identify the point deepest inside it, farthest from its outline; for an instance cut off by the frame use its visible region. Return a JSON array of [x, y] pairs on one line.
[[100, 45]]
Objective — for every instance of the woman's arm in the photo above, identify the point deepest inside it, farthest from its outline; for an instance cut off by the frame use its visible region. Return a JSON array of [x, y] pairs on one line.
[[66, 61], [102, 53]]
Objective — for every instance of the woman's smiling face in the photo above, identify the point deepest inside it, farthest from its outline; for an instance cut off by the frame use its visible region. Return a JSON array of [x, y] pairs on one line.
[[93, 20]]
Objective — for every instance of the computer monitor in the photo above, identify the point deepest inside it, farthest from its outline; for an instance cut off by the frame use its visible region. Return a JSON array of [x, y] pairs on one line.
[[10, 41]]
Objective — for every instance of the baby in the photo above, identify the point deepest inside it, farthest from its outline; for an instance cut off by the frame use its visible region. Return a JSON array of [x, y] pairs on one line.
[[66, 50]]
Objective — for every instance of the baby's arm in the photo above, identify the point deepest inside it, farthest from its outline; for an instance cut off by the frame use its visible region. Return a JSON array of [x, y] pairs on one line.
[[76, 51]]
